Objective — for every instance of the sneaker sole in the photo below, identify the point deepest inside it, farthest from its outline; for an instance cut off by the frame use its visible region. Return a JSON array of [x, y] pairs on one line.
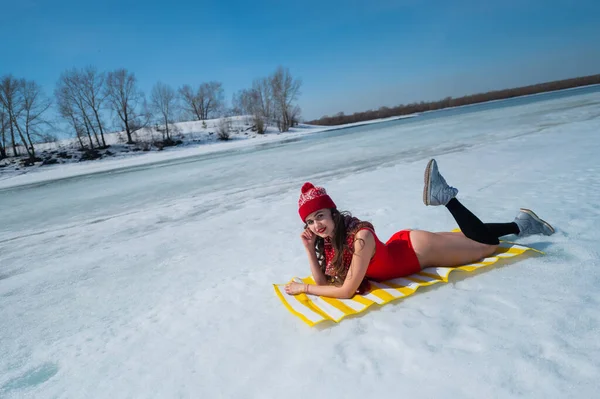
[[537, 218], [427, 181]]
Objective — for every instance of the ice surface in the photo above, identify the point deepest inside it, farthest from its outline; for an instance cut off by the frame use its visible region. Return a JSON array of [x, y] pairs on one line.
[[155, 280]]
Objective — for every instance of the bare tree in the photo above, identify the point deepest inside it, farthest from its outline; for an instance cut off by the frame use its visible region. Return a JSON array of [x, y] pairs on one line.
[[207, 101], [285, 91], [25, 102], [241, 102], [35, 103], [239, 105], [190, 100], [3, 129], [80, 95], [236, 104], [93, 94], [210, 96], [258, 102], [262, 95], [126, 99], [12, 106], [164, 102], [69, 111], [250, 100]]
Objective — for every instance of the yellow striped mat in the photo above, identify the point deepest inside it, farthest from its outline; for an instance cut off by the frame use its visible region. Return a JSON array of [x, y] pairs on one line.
[[313, 309]]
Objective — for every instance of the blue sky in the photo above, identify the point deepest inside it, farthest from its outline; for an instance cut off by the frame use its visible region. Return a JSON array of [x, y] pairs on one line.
[[351, 55]]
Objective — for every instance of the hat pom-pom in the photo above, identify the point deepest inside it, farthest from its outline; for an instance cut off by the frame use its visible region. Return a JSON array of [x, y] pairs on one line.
[[306, 187]]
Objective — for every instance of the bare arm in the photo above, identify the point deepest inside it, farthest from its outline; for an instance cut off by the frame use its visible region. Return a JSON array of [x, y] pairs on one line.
[[308, 241], [315, 268], [364, 248]]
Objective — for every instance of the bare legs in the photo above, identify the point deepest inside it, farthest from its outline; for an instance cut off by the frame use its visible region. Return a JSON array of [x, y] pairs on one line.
[[447, 249], [476, 240]]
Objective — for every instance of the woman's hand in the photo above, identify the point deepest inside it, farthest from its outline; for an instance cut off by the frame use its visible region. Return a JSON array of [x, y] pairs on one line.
[[308, 238], [295, 288]]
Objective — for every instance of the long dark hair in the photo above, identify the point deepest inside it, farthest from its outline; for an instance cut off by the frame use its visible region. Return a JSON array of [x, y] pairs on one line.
[[339, 244]]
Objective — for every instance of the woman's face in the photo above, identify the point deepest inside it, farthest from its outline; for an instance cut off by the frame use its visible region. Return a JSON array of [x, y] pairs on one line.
[[321, 223]]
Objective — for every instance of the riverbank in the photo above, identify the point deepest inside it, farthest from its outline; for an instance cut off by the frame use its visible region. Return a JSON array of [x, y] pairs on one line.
[[470, 99], [63, 159]]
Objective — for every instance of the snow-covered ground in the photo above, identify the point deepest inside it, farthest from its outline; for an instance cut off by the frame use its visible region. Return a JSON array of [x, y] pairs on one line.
[[155, 280], [196, 137]]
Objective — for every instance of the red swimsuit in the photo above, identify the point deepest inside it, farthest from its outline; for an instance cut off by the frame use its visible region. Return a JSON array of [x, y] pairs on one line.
[[395, 258]]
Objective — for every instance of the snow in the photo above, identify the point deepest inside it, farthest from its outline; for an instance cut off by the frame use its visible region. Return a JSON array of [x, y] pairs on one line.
[[155, 280], [197, 138]]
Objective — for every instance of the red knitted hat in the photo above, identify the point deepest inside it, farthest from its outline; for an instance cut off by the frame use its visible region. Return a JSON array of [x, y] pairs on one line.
[[312, 199]]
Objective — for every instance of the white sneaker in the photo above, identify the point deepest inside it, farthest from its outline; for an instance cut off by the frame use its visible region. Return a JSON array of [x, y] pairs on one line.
[[436, 190], [529, 223]]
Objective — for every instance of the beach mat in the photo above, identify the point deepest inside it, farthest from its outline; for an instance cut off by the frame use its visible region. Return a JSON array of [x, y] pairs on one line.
[[313, 309]]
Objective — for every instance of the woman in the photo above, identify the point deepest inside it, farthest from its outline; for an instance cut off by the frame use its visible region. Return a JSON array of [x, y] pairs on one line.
[[343, 251]]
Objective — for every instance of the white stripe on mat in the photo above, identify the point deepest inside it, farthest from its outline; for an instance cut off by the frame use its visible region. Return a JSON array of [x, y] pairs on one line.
[[489, 260], [506, 255], [373, 298], [484, 262], [425, 279], [404, 283], [390, 290], [352, 304], [515, 246], [299, 306], [442, 272], [330, 310]]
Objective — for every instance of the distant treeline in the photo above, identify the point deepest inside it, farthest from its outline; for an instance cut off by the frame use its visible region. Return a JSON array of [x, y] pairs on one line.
[[386, 112], [90, 103]]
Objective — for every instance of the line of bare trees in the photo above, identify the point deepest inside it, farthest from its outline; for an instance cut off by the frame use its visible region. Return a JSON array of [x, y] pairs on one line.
[[91, 102], [386, 112], [83, 94], [270, 100], [86, 98]]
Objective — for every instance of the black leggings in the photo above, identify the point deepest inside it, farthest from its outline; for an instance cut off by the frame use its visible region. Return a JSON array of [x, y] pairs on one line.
[[475, 229]]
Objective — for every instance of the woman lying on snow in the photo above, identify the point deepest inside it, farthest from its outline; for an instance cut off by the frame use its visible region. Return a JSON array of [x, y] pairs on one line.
[[343, 251]]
